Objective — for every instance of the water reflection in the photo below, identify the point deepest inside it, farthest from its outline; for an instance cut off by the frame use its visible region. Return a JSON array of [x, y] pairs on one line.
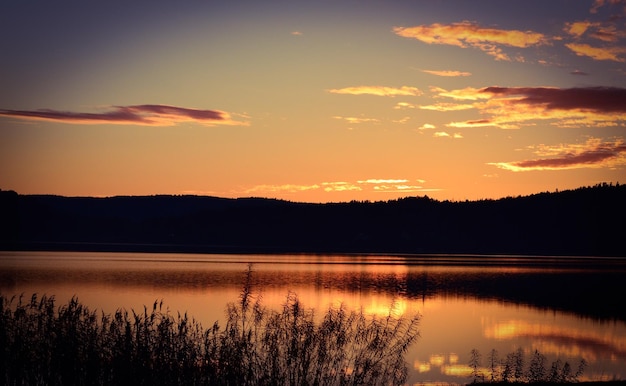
[[563, 310]]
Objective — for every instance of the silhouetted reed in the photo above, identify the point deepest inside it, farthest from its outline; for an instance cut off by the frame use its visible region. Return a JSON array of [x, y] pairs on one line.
[[42, 344]]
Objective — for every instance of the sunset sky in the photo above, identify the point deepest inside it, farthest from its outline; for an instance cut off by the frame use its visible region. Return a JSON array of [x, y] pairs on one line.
[[312, 101]]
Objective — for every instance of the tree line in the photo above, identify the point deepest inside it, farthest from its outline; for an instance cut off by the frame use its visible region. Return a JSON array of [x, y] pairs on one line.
[[583, 221]]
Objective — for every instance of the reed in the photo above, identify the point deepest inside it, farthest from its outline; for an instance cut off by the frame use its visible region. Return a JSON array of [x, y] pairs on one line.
[[42, 344]]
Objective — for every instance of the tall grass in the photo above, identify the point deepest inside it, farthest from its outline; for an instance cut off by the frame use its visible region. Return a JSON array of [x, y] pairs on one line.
[[42, 344]]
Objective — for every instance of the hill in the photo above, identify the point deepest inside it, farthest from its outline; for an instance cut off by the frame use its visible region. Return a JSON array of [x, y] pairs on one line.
[[588, 221]]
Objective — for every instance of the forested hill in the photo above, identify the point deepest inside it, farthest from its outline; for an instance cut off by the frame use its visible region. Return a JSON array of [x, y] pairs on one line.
[[584, 221]]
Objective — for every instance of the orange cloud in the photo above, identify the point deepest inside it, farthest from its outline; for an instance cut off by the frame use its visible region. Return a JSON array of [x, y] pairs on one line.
[[382, 181], [356, 119], [447, 107], [608, 34], [596, 99], [426, 126], [447, 73], [443, 134], [468, 93], [592, 154], [579, 72], [512, 107], [285, 188], [378, 90], [339, 186], [600, 3], [598, 53], [578, 28], [144, 115], [380, 185], [403, 106], [466, 34]]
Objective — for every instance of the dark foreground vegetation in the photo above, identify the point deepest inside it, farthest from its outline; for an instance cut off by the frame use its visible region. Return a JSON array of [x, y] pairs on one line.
[[579, 222], [42, 344]]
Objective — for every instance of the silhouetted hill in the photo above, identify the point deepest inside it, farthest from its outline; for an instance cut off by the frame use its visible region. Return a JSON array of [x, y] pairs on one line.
[[584, 221]]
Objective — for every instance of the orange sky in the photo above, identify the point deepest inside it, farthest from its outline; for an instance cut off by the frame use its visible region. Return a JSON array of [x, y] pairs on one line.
[[312, 101]]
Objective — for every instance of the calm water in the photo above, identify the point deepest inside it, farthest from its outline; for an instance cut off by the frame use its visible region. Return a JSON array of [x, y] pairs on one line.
[[567, 308]]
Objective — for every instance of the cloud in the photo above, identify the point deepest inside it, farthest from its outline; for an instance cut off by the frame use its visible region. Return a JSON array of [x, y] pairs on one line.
[[595, 99], [285, 188], [340, 186], [296, 33], [598, 53], [607, 32], [399, 188], [383, 181], [443, 134], [579, 72], [578, 28], [468, 34], [447, 73], [426, 126], [404, 106], [378, 90], [144, 115], [447, 107], [356, 119], [379, 185], [592, 154], [402, 120], [511, 107], [468, 93], [597, 4], [395, 185]]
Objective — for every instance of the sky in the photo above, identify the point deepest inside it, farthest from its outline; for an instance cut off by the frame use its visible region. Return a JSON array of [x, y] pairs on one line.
[[312, 101]]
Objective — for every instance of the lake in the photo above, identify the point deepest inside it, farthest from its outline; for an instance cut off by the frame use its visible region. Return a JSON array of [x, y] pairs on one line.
[[565, 307]]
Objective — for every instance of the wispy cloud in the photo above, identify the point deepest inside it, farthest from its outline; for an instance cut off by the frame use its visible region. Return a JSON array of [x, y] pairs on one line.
[[443, 134], [598, 53], [404, 106], [394, 185], [579, 72], [447, 73], [467, 94], [285, 188], [594, 153], [145, 115], [512, 107], [469, 34], [447, 107], [378, 185], [340, 186], [598, 40], [388, 185], [378, 90], [577, 28], [597, 4], [595, 99], [357, 119], [606, 32], [426, 126], [383, 181]]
